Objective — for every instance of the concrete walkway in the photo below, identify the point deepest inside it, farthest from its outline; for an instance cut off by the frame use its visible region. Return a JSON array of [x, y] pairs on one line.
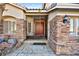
[[28, 49]]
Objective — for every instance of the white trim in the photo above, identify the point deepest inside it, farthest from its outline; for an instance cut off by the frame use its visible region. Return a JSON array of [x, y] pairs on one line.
[[18, 6], [38, 10], [35, 13], [63, 14], [68, 14], [59, 5], [65, 5], [48, 30]]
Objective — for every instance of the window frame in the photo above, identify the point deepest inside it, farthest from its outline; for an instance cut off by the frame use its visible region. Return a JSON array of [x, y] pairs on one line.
[[9, 27], [75, 26]]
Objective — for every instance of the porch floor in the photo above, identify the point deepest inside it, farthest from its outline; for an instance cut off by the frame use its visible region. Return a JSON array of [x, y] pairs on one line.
[[28, 49]]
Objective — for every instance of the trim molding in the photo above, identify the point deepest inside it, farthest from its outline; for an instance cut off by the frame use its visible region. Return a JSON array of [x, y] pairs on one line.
[[61, 14]]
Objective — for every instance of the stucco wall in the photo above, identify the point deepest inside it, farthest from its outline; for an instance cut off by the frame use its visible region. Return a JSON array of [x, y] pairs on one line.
[[13, 11], [9, 19], [52, 14], [68, 12]]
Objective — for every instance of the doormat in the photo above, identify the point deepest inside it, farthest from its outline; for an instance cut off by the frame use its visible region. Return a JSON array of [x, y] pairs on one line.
[[39, 43]]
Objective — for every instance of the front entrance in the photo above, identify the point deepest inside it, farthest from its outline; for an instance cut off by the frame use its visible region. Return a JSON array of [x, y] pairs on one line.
[[39, 27], [36, 27]]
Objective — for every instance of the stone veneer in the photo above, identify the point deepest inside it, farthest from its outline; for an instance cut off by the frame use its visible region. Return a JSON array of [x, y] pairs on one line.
[[21, 30], [20, 35], [1, 20], [59, 39]]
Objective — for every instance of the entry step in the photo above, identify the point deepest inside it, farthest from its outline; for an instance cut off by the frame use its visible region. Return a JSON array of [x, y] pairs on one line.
[[36, 37]]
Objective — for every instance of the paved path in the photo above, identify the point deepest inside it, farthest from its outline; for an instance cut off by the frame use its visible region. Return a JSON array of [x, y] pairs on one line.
[[27, 49]]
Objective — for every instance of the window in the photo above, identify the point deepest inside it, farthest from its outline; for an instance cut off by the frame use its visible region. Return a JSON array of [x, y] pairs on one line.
[[78, 26], [74, 26], [29, 27], [71, 26], [9, 27]]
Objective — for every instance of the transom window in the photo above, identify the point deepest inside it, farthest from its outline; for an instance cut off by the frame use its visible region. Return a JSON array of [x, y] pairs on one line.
[[74, 26], [9, 27]]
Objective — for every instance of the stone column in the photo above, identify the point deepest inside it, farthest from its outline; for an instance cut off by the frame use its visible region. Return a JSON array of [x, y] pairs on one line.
[[59, 36], [1, 20], [21, 31], [62, 37], [52, 34]]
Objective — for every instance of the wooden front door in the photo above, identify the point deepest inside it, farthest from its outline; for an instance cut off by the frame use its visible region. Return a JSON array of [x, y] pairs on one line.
[[39, 28]]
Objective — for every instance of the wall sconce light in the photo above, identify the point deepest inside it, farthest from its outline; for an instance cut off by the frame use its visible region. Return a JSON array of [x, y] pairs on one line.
[[66, 18]]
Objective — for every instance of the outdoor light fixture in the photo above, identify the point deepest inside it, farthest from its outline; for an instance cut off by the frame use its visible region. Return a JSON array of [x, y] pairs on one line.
[[66, 18]]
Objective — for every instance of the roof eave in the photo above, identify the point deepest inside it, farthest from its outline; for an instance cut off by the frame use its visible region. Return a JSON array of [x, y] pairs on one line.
[[65, 6]]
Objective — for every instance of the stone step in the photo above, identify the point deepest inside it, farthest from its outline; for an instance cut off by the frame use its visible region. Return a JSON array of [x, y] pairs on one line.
[[35, 37], [39, 43], [31, 41]]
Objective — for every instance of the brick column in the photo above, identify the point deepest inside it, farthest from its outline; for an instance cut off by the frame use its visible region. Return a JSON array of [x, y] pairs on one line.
[[52, 33], [21, 30], [1, 26], [1, 20], [62, 37], [59, 36]]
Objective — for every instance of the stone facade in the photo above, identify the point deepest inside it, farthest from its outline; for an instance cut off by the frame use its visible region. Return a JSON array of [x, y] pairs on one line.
[[18, 14], [20, 34], [1, 21], [59, 36], [59, 39], [52, 37], [21, 30]]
